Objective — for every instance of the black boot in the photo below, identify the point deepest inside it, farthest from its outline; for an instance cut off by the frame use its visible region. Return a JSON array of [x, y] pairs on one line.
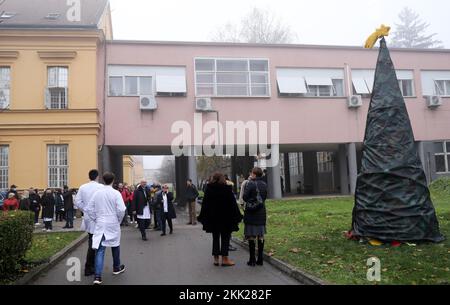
[[259, 262], [252, 246]]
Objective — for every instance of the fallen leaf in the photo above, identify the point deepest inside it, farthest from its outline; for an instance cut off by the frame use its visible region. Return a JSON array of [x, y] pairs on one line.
[[295, 250]]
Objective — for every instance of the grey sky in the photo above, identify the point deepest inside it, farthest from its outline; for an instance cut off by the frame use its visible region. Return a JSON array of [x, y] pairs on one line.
[[332, 22]]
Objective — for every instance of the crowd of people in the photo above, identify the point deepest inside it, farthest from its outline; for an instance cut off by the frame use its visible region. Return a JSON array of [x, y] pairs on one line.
[[106, 207], [54, 205]]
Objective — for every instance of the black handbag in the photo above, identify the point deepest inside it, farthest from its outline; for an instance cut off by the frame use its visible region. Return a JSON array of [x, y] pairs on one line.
[[258, 203]]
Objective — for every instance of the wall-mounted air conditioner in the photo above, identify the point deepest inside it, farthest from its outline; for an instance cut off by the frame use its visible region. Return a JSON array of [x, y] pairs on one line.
[[203, 104], [433, 101], [354, 101], [147, 102]]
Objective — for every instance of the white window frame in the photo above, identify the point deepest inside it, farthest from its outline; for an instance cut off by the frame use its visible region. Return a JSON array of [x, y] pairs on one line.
[[446, 154], [413, 91], [5, 85], [441, 91], [57, 165], [60, 87], [4, 167], [249, 73], [124, 94]]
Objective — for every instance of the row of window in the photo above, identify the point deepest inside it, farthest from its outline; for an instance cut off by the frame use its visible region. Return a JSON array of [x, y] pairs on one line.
[[56, 92], [57, 165], [215, 77], [231, 78]]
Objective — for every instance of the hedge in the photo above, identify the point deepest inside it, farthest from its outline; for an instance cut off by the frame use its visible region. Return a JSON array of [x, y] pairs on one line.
[[16, 232]]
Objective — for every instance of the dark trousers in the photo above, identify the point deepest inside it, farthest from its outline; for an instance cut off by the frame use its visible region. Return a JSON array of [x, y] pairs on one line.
[[48, 225], [69, 218], [59, 215], [165, 217], [90, 256], [158, 219], [36, 216], [143, 224], [221, 242], [130, 213]]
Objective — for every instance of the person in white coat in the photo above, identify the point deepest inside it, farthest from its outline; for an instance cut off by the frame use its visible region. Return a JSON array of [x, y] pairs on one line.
[[106, 209], [84, 195]]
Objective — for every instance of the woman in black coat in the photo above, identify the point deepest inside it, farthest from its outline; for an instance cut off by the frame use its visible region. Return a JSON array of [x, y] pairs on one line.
[[255, 194], [220, 216], [48, 209]]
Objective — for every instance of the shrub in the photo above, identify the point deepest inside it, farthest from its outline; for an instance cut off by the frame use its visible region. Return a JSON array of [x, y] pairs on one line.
[[441, 186], [16, 232]]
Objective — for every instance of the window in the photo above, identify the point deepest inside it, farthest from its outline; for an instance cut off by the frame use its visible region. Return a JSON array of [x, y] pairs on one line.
[[406, 87], [116, 86], [5, 84], [4, 167], [293, 164], [442, 157], [56, 93], [133, 85], [310, 82], [57, 165], [442, 87], [171, 85], [232, 77], [324, 162]]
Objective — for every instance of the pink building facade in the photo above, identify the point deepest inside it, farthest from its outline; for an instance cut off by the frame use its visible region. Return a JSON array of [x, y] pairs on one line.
[[308, 90]]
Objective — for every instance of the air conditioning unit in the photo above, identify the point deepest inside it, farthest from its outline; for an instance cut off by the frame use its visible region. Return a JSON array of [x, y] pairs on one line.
[[147, 102], [354, 101], [433, 101], [203, 104]]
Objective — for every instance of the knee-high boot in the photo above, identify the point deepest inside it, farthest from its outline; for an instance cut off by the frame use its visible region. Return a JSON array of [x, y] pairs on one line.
[[252, 248], [260, 252]]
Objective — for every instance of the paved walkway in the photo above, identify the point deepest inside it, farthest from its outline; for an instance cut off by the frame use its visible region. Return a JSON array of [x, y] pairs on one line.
[[183, 258]]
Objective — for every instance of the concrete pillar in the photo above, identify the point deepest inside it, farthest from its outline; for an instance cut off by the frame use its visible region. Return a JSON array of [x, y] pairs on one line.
[[192, 167], [273, 174], [181, 174], [287, 173], [105, 163], [352, 166], [117, 166], [343, 170]]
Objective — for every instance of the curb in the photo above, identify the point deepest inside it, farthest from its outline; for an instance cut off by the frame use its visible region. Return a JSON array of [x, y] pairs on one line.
[[35, 272], [297, 274]]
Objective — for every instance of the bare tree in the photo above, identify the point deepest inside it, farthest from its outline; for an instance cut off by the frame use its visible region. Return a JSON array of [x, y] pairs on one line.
[[167, 171], [411, 32], [258, 26], [206, 166]]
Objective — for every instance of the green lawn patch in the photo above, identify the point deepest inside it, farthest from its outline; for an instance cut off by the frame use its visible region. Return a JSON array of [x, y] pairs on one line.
[[309, 234], [44, 246]]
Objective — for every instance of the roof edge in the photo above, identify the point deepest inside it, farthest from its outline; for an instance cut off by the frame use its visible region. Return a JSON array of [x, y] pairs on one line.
[[256, 45]]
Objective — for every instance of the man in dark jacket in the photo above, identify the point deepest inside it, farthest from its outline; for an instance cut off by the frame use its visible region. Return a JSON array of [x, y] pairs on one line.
[[35, 205], [59, 205], [68, 207], [164, 201], [191, 197], [141, 201]]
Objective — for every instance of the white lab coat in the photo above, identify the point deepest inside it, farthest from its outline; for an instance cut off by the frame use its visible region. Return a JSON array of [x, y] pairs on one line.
[[106, 209], [84, 195]]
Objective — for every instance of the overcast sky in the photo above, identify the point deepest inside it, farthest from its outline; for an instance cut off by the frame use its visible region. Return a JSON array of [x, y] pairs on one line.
[[331, 22]]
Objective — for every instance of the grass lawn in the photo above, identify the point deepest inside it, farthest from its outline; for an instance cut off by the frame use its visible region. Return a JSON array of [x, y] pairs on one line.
[[44, 246], [308, 234]]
